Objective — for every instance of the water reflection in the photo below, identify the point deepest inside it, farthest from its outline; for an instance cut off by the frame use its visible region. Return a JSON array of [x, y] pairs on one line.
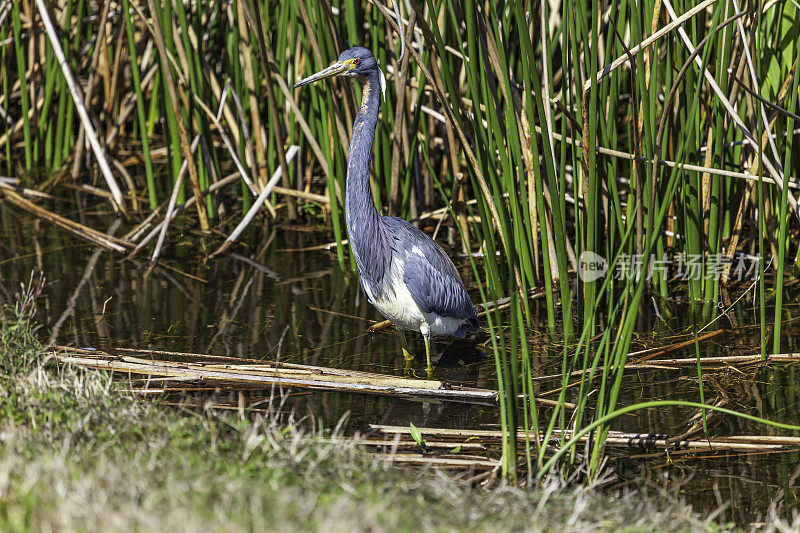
[[274, 304], [264, 302]]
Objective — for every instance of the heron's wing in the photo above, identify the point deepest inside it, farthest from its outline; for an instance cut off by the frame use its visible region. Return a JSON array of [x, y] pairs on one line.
[[429, 273]]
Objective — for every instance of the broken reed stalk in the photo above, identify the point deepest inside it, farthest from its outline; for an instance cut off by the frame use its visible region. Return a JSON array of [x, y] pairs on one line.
[[672, 347], [731, 360], [173, 199], [619, 439], [168, 216], [77, 98], [440, 462], [13, 184], [467, 446], [224, 182], [286, 374], [262, 197], [94, 236], [248, 180]]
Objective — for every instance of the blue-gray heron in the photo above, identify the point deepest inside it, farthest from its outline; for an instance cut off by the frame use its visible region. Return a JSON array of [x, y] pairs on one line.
[[403, 272]]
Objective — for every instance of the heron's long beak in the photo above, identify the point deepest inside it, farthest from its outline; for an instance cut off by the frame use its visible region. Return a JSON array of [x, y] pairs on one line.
[[333, 70]]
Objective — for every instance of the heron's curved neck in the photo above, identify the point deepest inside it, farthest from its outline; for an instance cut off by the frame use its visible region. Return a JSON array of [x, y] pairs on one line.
[[362, 218], [358, 200]]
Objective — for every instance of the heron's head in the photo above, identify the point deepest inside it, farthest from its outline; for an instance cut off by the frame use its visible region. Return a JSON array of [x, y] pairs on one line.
[[356, 61]]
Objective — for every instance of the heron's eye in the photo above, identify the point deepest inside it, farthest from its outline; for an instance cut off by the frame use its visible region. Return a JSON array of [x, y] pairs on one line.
[[356, 61]]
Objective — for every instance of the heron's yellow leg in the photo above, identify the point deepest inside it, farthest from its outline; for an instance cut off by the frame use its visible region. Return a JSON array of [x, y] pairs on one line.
[[406, 354], [427, 339], [407, 370]]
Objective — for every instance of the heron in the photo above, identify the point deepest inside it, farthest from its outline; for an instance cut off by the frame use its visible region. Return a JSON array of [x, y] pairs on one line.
[[403, 272]]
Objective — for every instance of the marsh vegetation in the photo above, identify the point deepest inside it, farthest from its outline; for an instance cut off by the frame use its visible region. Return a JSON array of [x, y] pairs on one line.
[[645, 285]]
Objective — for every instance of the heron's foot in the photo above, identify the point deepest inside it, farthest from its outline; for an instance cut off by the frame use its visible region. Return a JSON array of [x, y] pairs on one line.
[[429, 370], [407, 355]]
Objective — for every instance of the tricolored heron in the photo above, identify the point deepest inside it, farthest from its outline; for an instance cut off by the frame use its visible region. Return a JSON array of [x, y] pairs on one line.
[[403, 272]]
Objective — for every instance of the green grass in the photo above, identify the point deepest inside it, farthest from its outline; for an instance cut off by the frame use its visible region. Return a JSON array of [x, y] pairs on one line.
[[77, 453]]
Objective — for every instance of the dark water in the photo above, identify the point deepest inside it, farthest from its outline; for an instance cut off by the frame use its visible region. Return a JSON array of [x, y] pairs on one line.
[[273, 304], [301, 306]]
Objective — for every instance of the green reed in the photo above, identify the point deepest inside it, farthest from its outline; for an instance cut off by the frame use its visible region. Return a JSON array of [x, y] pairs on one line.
[[136, 79], [23, 91]]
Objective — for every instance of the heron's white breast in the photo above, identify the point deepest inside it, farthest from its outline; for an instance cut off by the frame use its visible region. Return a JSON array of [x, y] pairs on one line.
[[397, 304]]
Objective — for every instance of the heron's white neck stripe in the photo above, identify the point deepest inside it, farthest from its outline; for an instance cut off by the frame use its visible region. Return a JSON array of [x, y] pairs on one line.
[[383, 83]]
